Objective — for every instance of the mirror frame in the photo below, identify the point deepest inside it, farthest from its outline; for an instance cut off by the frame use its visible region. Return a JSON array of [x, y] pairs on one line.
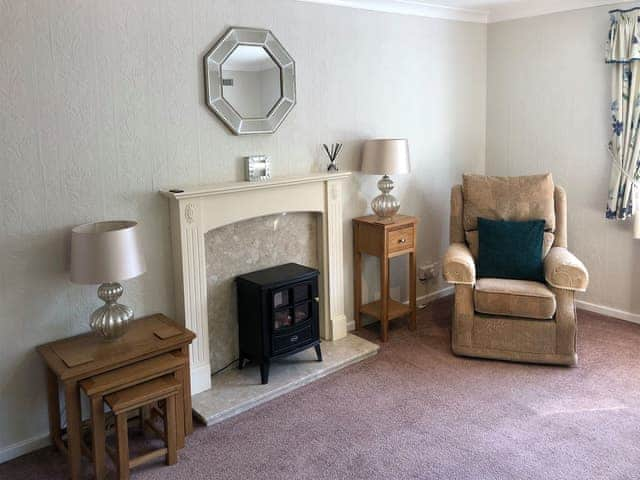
[[213, 61]]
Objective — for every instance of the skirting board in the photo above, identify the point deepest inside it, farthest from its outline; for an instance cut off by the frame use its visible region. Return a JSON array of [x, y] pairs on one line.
[[608, 311], [421, 300], [430, 297], [580, 304], [25, 446]]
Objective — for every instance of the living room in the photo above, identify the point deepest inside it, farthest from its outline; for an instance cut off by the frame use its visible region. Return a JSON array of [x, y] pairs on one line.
[[352, 187]]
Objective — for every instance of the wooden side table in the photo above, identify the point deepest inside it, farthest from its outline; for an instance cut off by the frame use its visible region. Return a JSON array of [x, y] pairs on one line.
[[74, 359], [384, 239]]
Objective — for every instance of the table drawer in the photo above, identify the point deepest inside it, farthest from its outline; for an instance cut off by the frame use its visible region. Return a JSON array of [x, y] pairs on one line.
[[401, 239]]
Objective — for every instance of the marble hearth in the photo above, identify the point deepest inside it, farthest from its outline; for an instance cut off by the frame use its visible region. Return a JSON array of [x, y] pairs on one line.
[[209, 214], [235, 391]]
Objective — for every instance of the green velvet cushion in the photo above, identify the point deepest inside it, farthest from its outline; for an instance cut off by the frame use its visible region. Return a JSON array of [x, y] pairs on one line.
[[510, 249]]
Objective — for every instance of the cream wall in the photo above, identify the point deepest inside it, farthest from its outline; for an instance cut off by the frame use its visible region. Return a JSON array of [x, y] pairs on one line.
[[102, 106], [548, 110]]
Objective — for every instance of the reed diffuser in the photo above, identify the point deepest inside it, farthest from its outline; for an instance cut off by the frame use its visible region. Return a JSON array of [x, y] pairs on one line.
[[333, 155]]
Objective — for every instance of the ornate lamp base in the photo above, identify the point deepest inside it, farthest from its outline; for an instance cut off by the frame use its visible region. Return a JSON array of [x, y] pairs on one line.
[[111, 320], [386, 205]]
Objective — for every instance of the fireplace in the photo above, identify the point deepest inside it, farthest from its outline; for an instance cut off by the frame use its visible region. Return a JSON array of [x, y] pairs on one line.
[[277, 314], [196, 211], [248, 246]]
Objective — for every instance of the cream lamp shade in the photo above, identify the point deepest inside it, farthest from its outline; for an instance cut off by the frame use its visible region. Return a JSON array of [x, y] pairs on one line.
[[106, 252], [386, 156]]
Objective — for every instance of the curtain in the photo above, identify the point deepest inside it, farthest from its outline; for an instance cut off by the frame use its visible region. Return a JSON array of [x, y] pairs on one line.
[[623, 53]]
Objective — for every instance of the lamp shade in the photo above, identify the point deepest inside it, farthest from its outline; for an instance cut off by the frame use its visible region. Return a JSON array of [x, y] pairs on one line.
[[105, 252], [386, 156]]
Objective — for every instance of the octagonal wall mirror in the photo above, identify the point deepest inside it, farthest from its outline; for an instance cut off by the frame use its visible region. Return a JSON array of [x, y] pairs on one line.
[[250, 81]]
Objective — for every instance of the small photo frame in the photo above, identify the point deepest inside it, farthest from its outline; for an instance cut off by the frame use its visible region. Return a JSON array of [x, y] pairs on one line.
[[257, 168]]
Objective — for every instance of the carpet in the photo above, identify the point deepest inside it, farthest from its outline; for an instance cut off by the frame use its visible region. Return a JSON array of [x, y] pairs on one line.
[[415, 411]]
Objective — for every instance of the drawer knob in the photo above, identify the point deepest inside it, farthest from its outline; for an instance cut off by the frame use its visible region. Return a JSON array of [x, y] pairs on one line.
[[294, 338], [317, 299], [402, 240]]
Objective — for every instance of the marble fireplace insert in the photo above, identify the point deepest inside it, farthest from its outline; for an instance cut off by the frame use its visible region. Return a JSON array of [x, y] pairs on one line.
[[244, 247]]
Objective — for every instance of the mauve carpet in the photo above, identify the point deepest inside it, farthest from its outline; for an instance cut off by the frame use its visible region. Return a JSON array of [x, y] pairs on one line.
[[415, 411]]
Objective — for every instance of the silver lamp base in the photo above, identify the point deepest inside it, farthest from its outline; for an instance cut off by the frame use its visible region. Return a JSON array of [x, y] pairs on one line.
[[386, 205], [111, 320]]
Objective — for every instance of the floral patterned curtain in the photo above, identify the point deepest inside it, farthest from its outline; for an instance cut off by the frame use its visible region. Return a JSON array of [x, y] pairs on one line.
[[623, 52]]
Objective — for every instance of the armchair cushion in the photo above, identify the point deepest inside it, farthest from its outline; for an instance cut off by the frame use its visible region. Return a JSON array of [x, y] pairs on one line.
[[508, 198], [458, 265], [514, 298], [563, 270]]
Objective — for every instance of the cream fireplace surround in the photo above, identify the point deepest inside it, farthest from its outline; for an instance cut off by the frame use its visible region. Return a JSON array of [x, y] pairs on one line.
[[196, 211]]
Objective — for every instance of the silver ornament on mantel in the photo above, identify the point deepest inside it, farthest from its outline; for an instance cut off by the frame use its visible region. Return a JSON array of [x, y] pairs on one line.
[[383, 157]]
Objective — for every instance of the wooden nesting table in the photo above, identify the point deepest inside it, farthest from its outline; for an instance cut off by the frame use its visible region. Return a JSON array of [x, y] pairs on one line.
[[384, 239], [74, 359]]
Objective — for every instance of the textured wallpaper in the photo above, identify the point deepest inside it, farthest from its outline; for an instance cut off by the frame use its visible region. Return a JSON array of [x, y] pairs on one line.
[[102, 105], [541, 119]]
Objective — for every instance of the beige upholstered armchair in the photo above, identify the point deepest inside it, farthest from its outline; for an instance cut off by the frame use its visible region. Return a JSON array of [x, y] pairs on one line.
[[515, 320]]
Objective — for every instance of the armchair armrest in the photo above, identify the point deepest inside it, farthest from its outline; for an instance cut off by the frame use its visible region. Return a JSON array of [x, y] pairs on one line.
[[458, 265], [563, 270]]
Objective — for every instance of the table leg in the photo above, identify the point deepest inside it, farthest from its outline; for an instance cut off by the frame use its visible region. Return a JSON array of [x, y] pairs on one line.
[[98, 436], [180, 432], [74, 440], [122, 436], [357, 286], [186, 394], [53, 404], [384, 298], [412, 290], [169, 428]]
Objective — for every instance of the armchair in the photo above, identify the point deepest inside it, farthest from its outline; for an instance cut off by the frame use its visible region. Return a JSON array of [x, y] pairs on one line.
[[505, 319]]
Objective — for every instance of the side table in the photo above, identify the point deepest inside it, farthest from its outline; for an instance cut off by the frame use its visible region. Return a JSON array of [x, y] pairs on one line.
[[74, 359], [384, 239]]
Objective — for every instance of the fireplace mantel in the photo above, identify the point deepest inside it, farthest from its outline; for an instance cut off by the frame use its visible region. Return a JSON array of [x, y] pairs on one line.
[[230, 187], [197, 210]]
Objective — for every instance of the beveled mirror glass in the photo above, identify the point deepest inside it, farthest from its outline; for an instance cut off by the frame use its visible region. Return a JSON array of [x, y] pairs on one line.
[[250, 81]]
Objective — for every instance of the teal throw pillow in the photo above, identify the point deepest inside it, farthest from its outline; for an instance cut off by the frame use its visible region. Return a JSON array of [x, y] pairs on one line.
[[510, 249]]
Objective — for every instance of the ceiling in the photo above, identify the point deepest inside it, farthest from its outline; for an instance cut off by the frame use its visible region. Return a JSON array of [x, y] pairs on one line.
[[482, 4], [480, 11], [498, 10]]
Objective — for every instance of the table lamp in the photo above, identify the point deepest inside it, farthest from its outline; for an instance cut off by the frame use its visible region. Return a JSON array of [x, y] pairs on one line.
[[106, 253], [385, 156]]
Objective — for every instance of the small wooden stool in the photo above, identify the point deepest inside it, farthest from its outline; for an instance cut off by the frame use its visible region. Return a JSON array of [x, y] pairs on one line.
[[96, 388], [138, 396]]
